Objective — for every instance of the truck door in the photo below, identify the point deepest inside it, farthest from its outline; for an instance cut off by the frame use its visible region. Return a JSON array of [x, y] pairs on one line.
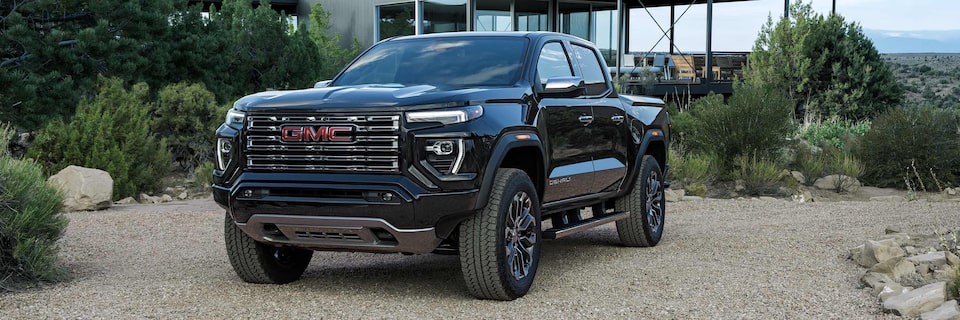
[[608, 132], [566, 124]]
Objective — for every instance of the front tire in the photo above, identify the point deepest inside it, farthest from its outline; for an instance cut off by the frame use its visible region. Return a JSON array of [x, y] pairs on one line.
[[500, 245], [647, 207], [257, 262]]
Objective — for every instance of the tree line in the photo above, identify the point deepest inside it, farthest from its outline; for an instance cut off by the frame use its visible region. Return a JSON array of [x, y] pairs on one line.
[[52, 52]]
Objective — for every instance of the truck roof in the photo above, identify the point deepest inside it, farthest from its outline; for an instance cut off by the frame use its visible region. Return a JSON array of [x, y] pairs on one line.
[[464, 34]]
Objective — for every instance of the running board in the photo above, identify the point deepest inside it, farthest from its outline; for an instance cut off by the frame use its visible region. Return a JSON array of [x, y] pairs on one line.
[[556, 233]]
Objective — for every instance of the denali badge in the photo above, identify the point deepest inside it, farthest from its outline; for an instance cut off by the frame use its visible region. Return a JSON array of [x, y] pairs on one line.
[[316, 134]]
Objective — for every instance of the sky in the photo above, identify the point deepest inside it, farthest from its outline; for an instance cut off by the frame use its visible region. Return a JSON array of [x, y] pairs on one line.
[[736, 25]]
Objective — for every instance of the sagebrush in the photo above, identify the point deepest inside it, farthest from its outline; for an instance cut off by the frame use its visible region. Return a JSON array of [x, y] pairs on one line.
[[755, 120], [919, 144]]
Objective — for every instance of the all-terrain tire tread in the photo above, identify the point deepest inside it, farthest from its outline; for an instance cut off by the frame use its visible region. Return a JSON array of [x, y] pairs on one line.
[[249, 260], [631, 230], [478, 244]]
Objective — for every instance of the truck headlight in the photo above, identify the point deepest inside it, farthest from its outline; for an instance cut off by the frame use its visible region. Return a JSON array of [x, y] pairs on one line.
[[234, 118], [446, 116], [224, 153]]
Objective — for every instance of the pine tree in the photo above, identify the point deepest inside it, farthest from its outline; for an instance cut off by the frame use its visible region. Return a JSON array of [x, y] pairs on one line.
[[827, 65]]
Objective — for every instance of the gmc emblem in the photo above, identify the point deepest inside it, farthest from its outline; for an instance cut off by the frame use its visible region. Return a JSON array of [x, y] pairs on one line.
[[316, 134]]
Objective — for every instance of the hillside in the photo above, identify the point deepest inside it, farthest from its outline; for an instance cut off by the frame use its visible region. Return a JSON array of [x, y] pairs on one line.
[[928, 78]]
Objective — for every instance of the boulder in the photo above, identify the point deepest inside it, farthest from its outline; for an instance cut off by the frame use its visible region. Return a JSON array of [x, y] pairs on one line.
[[831, 182], [166, 198], [182, 195], [934, 259], [797, 175], [918, 301], [673, 195], [84, 188], [145, 198], [127, 200], [875, 280], [951, 191], [952, 259], [890, 290], [875, 252], [897, 268], [891, 229], [805, 196], [946, 311]]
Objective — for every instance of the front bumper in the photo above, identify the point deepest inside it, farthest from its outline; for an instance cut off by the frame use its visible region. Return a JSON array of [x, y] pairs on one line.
[[341, 212], [339, 234]]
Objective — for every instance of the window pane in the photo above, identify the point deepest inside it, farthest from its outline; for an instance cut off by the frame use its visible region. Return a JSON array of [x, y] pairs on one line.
[[592, 70], [605, 33], [532, 15], [493, 15], [395, 20], [439, 62], [444, 16], [553, 62], [575, 19]]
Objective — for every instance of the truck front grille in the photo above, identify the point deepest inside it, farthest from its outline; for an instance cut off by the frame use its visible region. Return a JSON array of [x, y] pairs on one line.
[[323, 143]]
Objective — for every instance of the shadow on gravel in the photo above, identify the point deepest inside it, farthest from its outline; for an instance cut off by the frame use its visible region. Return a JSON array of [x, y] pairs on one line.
[[438, 276]]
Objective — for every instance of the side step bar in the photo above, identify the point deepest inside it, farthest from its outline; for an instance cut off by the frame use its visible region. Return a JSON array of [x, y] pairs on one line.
[[556, 233]]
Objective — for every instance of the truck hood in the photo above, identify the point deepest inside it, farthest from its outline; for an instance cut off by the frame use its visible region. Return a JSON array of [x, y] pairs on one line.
[[377, 98]]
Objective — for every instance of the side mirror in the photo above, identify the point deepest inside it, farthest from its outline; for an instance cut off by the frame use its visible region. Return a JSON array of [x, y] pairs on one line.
[[564, 87], [322, 84]]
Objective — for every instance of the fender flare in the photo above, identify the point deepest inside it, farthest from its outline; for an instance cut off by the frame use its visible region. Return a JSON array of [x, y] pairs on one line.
[[503, 146], [649, 137]]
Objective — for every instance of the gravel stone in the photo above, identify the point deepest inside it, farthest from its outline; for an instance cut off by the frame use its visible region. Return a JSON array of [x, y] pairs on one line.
[[718, 260]]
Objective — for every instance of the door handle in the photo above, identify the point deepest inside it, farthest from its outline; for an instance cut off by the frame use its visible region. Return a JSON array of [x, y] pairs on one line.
[[618, 119], [586, 119]]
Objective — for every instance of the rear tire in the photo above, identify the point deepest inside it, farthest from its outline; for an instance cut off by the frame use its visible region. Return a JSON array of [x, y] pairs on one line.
[[257, 262], [500, 244], [647, 207]]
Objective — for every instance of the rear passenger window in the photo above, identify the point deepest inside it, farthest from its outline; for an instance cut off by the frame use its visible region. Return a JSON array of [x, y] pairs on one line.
[[592, 70], [553, 62]]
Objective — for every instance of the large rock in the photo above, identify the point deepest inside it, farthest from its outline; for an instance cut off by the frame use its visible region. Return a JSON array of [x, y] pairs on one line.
[[874, 252], [84, 188], [916, 302], [890, 290], [673, 195], [897, 268], [876, 280], [946, 311], [831, 182], [799, 177], [933, 259]]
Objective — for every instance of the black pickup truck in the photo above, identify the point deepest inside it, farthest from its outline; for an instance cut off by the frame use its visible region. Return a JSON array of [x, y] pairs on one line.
[[477, 144]]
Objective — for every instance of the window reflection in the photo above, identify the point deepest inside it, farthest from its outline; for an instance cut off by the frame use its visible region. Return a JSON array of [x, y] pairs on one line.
[[395, 20], [444, 16]]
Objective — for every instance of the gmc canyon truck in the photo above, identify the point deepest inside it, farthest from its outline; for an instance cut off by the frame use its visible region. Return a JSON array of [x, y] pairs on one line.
[[477, 144]]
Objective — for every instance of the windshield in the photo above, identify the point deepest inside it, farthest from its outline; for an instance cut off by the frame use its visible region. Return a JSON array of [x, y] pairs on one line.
[[493, 61]]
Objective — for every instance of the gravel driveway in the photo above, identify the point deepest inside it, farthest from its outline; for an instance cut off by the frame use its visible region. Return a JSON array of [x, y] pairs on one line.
[[718, 259]]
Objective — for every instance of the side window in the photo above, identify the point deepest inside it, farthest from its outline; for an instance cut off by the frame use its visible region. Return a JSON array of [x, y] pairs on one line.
[[553, 62], [592, 70]]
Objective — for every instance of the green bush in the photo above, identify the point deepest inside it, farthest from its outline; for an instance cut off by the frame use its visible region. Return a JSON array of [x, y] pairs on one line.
[[809, 162], [693, 169], [30, 223], [843, 163], [187, 117], [681, 121], [913, 144], [110, 133], [760, 176], [834, 132], [203, 175], [755, 120]]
